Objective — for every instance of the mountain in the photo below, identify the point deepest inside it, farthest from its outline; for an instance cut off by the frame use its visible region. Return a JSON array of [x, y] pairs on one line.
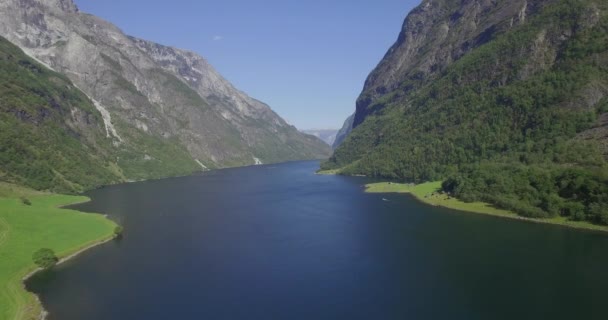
[[347, 127], [51, 134], [327, 135], [504, 101], [165, 111]]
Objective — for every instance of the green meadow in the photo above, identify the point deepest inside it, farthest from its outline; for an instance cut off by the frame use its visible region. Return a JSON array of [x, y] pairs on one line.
[[430, 193], [42, 224], [329, 172]]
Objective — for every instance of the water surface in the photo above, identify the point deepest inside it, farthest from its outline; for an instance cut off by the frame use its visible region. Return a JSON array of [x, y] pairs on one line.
[[279, 242]]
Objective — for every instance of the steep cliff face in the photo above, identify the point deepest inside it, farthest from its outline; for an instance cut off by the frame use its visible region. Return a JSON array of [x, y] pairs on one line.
[[347, 127], [474, 89], [153, 97], [434, 35]]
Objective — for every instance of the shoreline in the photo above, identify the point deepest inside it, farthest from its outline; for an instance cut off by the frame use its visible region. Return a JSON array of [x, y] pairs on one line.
[[478, 207], [27, 304], [425, 197], [37, 310], [194, 173], [66, 256], [69, 256]]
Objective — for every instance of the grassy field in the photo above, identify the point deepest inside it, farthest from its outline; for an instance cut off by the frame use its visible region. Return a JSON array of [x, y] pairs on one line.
[[328, 172], [27, 228], [430, 193]]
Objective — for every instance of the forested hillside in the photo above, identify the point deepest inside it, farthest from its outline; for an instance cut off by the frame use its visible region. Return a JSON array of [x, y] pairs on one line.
[[51, 135], [512, 110]]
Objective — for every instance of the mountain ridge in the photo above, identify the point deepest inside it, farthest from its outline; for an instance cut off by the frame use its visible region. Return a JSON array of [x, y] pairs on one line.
[[327, 135], [152, 97], [504, 101]]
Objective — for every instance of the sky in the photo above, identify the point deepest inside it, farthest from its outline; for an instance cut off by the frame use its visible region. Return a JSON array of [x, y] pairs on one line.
[[307, 59]]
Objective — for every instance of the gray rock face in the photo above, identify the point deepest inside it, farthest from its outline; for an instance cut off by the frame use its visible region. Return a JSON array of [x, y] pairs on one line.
[[150, 94], [327, 135], [434, 35], [347, 127]]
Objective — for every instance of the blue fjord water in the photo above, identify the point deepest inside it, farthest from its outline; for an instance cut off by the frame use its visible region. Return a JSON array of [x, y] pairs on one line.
[[279, 242]]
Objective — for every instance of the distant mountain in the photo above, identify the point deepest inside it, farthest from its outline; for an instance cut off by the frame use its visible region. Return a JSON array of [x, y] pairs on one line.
[[347, 127], [505, 101], [327, 135], [165, 111]]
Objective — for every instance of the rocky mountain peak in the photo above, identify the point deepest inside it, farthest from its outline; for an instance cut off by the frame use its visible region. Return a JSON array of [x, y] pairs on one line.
[[61, 5], [434, 35]]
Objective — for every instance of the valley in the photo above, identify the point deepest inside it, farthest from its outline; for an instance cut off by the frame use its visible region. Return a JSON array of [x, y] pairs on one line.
[[470, 181]]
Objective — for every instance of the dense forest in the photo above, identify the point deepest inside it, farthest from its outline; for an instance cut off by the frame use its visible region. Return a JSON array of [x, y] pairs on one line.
[[497, 125]]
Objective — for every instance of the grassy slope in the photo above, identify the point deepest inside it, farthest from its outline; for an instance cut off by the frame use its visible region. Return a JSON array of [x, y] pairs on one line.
[[25, 229], [430, 193]]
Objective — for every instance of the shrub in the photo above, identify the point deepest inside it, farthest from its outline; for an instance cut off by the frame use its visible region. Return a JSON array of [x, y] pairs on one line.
[[45, 258], [118, 230]]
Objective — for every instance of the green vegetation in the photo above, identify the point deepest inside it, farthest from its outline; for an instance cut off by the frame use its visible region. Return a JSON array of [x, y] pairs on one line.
[[329, 172], [146, 157], [500, 127], [26, 201], [579, 194], [298, 146], [51, 136], [8, 190], [24, 229], [45, 258], [171, 82], [431, 193], [118, 230]]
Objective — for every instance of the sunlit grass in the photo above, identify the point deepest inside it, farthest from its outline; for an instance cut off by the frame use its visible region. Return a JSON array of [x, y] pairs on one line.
[[27, 228], [328, 172], [430, 193]]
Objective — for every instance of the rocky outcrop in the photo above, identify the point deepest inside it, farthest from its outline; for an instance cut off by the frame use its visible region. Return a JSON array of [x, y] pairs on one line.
[[153, 98]]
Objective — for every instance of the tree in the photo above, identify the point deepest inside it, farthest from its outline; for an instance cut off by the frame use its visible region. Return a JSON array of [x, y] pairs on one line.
[[26, 201], [118, 230], [45, 258]]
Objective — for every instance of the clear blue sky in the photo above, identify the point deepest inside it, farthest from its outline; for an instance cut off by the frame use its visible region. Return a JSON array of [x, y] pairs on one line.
[[308, 59]]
